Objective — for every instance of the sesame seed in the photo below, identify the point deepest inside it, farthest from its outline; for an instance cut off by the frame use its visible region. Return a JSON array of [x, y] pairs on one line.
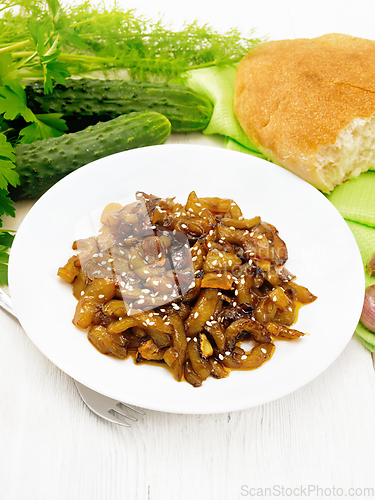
[[244, 357], [195, 315], [263, 350], [221, 356], [194, 258], [227, 353], [82, 293], [103, 262], [110, 260], [101, 296], [141, 301]]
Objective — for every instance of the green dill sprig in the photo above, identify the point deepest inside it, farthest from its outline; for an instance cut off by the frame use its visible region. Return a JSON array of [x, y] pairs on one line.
[[102, 39]]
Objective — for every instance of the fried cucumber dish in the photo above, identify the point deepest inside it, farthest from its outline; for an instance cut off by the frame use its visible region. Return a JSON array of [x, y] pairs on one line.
[[183, 286]]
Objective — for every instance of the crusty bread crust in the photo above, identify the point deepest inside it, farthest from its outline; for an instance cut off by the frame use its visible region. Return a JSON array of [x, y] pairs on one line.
[[294, 96]]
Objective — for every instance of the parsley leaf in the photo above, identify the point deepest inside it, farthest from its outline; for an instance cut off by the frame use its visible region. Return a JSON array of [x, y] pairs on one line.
[[44, 127], [8, 68], [13, 102], [7, 174], [3, 274], [6, 205], [6, 150], [4, 258], [6, 238]]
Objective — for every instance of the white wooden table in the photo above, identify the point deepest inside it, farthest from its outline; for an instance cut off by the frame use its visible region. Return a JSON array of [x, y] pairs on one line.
[[317, 442]]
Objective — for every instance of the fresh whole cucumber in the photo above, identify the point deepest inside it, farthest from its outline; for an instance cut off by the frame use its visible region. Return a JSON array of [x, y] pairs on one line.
[[84, 102], [41, 164]]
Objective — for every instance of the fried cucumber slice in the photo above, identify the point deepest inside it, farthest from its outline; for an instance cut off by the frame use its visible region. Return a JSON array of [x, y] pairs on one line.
[[202, 311], [238, 359], [151, 351], [69, 272], [250, 325], [222, 280], [179, 345], [105, 343], [283, 332], [199, 363], [96, 294]]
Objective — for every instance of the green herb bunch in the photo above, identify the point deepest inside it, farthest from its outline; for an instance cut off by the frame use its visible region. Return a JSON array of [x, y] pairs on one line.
[[41, 40]]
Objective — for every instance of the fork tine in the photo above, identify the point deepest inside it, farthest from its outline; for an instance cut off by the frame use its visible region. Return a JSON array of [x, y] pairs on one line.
[[114, 417], [120, 405], [117, 417], [105, 407], [121, 411]]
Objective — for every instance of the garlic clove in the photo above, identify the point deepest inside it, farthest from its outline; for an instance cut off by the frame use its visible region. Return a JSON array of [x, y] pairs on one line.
[[368, 311]]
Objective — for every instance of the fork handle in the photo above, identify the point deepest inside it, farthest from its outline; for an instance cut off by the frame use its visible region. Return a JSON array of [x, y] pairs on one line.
[[6, 303]]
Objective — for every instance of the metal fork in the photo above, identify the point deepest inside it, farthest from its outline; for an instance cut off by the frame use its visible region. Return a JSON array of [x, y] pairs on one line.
[[107, 408]]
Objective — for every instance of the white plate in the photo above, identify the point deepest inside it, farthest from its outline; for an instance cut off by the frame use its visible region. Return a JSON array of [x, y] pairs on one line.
[[322, 253]]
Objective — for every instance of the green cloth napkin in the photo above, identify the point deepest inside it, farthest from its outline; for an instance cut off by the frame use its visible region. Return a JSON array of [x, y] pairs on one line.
[[355, 199]]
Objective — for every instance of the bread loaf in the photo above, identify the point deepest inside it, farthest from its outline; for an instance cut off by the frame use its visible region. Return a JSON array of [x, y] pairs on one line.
[[309, 105]]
